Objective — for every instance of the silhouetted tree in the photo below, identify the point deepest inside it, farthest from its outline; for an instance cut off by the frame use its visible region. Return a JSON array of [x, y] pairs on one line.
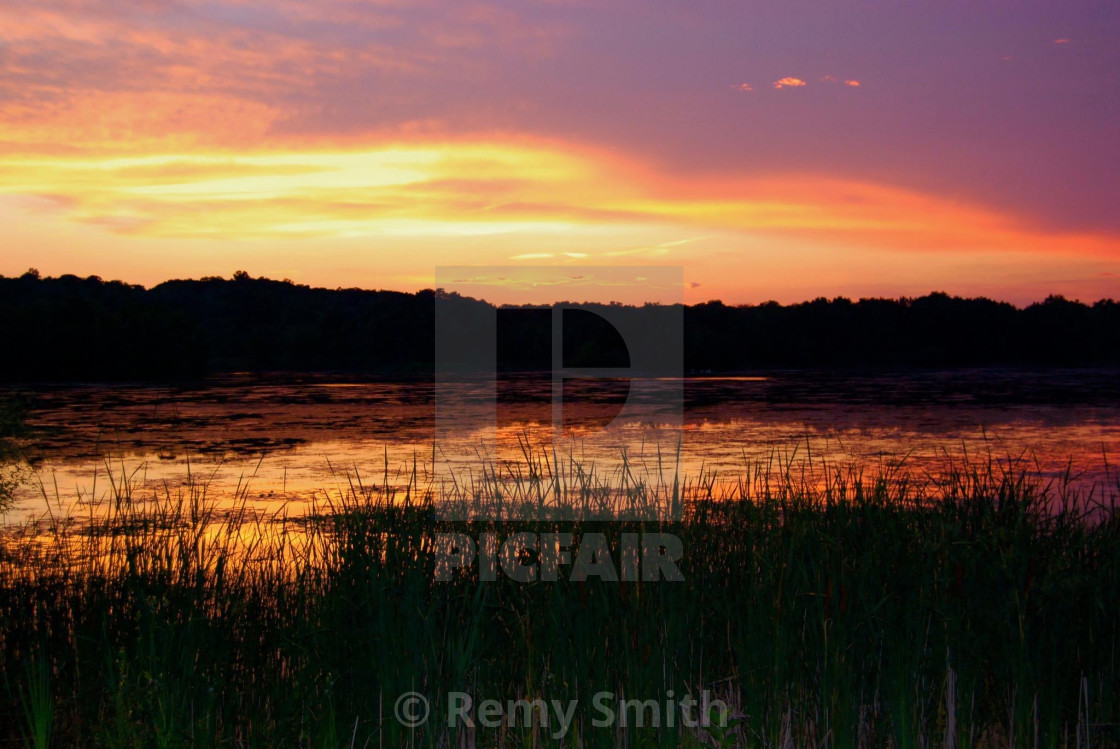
[[69, 328]]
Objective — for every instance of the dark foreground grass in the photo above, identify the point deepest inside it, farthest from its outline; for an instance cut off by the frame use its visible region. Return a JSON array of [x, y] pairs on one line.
[[976, 611]]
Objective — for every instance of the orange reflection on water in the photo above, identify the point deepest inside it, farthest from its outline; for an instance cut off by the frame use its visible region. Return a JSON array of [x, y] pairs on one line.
[[287, 446]]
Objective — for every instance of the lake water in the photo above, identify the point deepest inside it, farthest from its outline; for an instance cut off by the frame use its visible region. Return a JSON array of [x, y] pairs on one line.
[[301, 440]]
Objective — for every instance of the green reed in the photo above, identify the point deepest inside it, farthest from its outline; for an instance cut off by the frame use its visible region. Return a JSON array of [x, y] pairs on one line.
[[977, 608]]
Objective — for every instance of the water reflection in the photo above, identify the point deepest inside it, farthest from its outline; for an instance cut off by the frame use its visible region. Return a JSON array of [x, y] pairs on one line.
[[300, 440]]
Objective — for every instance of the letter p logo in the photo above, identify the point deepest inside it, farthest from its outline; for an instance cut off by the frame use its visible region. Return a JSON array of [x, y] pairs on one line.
[[523, 380]]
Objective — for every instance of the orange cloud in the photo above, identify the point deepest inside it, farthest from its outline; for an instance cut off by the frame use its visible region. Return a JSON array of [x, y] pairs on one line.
[[108, 78], [528, 190], [833, 79], [745, 87], [788, 82]]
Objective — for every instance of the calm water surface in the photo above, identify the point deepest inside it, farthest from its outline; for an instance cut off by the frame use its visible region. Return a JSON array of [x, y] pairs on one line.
[[298, 440]]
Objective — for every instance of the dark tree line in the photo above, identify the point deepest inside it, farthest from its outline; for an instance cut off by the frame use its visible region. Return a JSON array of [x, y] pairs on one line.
[[69, 328], [932, 331]]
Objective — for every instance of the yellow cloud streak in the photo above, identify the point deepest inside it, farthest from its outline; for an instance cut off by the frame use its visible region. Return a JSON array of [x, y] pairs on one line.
[[447, 189]]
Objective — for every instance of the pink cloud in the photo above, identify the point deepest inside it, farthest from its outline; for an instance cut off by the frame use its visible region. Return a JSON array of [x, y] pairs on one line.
[[788, 82]]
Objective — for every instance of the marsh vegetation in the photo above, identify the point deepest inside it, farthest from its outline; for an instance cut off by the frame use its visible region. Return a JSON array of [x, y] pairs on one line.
[[977, 608]]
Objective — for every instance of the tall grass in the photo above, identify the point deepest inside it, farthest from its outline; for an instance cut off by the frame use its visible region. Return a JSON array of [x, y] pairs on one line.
[[978, 608], [13, 467]]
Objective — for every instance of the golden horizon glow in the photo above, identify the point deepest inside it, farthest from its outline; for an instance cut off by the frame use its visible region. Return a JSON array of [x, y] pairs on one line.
[[445, 188], [557, 205]]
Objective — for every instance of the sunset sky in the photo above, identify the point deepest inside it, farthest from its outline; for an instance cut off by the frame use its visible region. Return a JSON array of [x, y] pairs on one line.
[[774, 150]]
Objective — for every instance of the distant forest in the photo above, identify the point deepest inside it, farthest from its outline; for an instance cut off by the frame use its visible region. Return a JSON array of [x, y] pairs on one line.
[[75, 329]]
